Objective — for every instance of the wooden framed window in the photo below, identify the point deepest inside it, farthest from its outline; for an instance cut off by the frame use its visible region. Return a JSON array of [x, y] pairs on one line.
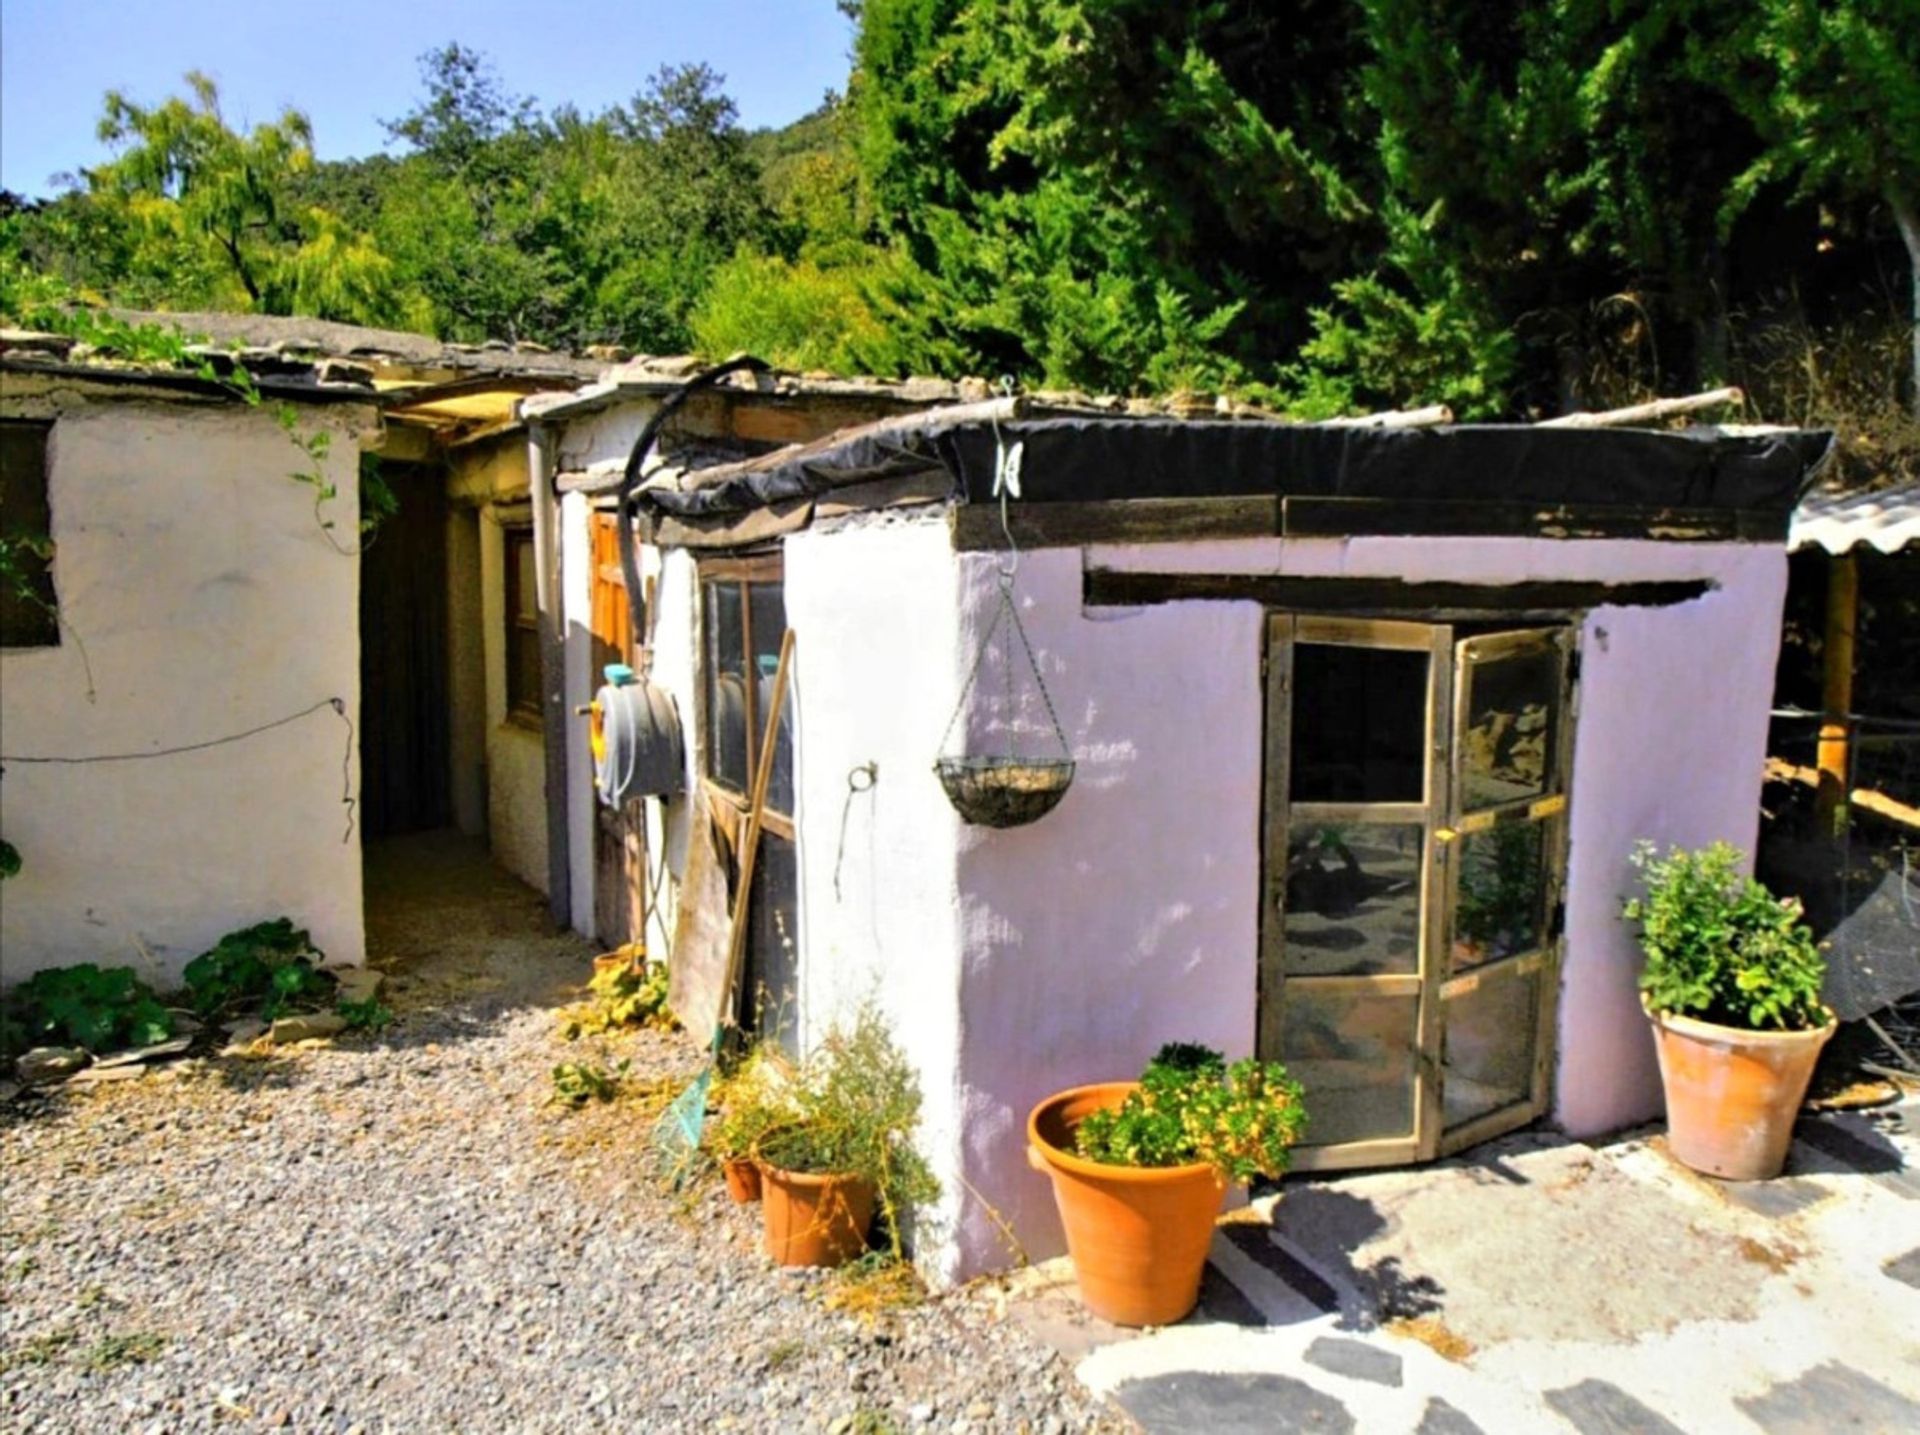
[[522, 636], [28, 616], [743, 617]]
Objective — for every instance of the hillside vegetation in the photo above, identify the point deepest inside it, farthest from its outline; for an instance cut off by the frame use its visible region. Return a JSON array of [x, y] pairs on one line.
[[1331, 205]]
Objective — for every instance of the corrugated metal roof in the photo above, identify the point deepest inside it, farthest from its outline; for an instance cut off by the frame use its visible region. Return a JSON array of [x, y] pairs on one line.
[[1887, 519]]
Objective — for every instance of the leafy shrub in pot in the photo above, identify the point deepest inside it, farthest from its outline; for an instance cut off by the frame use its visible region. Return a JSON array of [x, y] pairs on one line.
[[847, 1150], [1139, 1170], [755, 1097], [1732, 986]]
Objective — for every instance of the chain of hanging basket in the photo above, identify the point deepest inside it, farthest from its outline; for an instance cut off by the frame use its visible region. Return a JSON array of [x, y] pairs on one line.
[[1006, 791]]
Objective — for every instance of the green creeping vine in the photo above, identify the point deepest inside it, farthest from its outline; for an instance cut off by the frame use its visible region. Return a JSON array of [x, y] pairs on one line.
[[100, 1008], [169, 347], [270, 963]]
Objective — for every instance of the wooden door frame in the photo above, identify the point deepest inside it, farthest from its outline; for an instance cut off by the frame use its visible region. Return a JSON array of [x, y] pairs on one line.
[[1283, 633], [1447, 697]]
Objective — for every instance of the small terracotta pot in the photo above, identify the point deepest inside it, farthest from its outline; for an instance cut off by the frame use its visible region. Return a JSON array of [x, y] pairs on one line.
[[1138, 1236], [619, 961], [813, 1220], [743, 1179], [1733, 1094]]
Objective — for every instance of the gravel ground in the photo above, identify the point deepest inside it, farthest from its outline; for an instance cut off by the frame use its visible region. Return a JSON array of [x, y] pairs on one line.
[[396, 1232]]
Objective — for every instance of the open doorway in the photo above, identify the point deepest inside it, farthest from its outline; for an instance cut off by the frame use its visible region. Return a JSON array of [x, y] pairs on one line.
[[404, 741], [1415, 859]]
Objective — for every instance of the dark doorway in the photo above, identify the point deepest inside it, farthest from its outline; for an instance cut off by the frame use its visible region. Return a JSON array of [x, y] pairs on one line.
[[404, 743]]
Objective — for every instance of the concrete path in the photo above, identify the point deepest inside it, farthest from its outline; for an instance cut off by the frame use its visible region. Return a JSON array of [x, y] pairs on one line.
[[1542, 1284]]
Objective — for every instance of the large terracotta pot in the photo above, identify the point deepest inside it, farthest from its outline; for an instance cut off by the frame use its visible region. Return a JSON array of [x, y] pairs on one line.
[[1733, 1094], [813, 1220], [1138, 1236]]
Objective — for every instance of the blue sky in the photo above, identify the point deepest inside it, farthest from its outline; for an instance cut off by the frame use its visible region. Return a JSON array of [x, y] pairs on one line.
[[351, 63]]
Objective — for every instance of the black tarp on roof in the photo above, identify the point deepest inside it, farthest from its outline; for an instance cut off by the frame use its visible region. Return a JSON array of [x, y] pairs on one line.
[[1085, 458]]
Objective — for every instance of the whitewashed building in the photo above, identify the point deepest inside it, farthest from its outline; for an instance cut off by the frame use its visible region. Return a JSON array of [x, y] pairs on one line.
[[1364, 724]]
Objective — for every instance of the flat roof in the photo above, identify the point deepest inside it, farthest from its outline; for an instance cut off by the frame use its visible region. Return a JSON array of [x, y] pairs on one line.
[[1083, 458]]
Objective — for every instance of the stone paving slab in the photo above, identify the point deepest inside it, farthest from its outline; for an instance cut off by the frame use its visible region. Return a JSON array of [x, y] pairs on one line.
[[1542, 1284], [1599, 1407], [1227, 1404], [1355, 1359], [1440, 1418], [1831, 1398], [1905, 1268]]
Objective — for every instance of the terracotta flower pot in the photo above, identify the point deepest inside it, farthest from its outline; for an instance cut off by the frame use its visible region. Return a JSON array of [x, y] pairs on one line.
[[743, 1179], [814, 1220], [1138, 1236], [619, 961], [1733, 1094]]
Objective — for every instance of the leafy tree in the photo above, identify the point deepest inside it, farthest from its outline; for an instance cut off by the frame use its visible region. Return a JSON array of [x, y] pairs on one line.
[[210, 208], [467, 111], [1833, 87]]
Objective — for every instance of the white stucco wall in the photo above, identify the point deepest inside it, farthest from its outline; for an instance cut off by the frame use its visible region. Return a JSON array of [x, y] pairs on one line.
[[208, 601], [1129, 916], [676, 639], [576, 606], [516, 752], [876, 637]]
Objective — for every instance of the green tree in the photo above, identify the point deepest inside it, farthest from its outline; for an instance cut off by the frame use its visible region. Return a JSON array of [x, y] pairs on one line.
[[1833, 87], [210, 209]]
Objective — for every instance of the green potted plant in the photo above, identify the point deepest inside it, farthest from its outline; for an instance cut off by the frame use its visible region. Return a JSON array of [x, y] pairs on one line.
[[754, 1098], [847, 1150], [1732, 987], [1139, 1170]]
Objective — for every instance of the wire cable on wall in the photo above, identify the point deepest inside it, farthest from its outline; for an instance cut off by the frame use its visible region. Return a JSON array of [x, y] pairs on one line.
[[339, 706]]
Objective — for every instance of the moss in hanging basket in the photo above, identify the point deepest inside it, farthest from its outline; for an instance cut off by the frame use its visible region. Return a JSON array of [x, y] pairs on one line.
[[1004, 791]]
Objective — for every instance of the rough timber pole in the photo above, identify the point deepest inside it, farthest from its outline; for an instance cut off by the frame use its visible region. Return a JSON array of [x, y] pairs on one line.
[[1836, 696]]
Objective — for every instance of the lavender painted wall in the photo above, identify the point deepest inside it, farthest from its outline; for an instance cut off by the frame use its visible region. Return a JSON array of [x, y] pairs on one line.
[[1015, 963], [1129, 916]]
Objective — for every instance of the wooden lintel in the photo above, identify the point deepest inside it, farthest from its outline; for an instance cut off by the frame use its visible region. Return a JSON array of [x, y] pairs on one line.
[[976, 526], [1105, 587], [1358, 517]]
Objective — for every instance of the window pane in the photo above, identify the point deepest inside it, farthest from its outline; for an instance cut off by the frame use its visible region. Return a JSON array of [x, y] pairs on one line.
[[1488, 1062], [1512, 713], [726, 686], [772, 978], [1359, 724], [526, 588], [769, 614], [1353, 899], [1502, 893], [1354, 1055]]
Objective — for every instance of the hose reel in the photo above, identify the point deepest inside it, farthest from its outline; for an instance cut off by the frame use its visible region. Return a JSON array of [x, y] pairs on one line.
[[635, 739]]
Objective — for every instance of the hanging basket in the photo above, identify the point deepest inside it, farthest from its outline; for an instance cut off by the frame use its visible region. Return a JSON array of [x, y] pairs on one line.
[[1004, 791]]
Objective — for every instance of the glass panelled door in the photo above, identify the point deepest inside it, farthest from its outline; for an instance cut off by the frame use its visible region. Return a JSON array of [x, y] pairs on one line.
[[1502, 851], [1357, 718], [1412, 840]]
